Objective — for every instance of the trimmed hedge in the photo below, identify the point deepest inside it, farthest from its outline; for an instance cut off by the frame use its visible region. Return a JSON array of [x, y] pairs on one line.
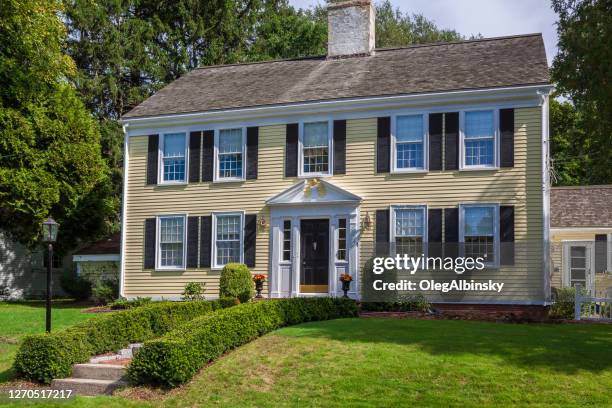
[[236, 281], [174, 358], [44, 357]]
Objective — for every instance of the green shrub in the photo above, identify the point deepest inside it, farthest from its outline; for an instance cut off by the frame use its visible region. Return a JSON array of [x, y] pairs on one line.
[[236, 282], [193, 291], [174, 358], [75, 286], [105, 291], [122, 304], [43, 357], [404, 303], [563, 303]]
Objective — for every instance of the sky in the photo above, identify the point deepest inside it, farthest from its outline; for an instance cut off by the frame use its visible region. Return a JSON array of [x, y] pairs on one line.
[[491, 18]]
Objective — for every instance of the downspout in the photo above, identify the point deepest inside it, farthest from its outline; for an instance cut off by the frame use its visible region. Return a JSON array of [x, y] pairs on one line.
[[124, 211]]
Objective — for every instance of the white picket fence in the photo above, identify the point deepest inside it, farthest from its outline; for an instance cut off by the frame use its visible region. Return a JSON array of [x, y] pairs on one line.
[[587, 307]]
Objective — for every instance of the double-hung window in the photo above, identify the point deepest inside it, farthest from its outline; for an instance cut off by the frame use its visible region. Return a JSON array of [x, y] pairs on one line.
[[171, 242], [228, 238], [479, 145], [479, 232], [409, 143], [408, 229], [230, 154], [316, 148], [173, 158]]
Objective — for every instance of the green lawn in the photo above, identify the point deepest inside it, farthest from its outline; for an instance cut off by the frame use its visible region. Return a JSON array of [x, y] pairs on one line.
[[23, 318], [378, 362]]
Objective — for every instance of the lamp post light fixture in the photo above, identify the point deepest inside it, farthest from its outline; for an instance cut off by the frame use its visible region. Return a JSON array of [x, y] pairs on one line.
[[49, 236]]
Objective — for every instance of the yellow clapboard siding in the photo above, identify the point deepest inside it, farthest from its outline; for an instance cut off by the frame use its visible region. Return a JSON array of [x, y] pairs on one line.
[[519, 186]]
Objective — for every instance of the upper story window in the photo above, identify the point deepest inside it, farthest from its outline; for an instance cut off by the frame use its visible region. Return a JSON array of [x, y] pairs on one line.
[[228, 236], [316, 148], [408, 229], [479, 232], [409, 143], [173, 157], [171, 242], [230, 154], [479, 139]]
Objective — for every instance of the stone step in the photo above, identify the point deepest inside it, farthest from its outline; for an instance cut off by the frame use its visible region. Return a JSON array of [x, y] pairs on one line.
[[87, 386], [98, 371]]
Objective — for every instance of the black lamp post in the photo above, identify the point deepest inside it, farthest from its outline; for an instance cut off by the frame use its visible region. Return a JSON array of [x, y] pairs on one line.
[[49, 236]]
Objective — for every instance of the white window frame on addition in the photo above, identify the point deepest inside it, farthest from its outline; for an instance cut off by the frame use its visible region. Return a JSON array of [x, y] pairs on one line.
[[160, 175], [496, 145], [215, 216], [425, 140], [330, 150], [392, 233], [217, 163], [496, 244], [158, 266]]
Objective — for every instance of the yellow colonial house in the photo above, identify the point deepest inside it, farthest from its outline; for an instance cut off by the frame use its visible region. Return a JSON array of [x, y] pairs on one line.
[[300, 168]]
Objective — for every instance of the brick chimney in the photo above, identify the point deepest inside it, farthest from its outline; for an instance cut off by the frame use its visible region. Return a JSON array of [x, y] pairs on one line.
[[350, 28]]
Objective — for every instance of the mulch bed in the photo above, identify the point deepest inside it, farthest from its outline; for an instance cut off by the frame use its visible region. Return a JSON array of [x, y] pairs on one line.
[[98, 309]]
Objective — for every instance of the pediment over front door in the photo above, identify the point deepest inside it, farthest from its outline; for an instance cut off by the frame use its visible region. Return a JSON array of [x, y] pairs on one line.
[[314, 191]]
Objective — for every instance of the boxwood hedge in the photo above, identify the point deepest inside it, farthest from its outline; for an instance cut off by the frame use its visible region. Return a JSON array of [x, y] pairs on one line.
[[44, 357], [174, 358]]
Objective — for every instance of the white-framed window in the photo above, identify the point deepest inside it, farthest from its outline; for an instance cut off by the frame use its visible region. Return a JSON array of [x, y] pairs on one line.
[[228, 236], [171, 239], [173, 158], [230, 154], [409, 229], [286, 249], [409, 143], [479, 139], [315, 148], [479, 231], [341, 254]]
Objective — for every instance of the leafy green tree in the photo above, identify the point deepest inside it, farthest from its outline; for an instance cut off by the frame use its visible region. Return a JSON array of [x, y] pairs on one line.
[[50, 159], [582, 71]]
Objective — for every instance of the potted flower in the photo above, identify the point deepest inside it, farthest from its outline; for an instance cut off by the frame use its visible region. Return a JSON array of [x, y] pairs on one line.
[[346, 280], [259, 280]]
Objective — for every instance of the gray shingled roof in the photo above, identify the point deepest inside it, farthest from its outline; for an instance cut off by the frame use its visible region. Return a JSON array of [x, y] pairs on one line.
[[485, 63], [582, 206]]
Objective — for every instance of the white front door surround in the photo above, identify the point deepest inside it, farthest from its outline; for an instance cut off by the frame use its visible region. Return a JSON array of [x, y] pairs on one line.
[[313, 200]]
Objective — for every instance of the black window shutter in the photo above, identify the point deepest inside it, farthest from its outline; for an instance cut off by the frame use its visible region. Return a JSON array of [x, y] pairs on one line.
[[434, 231], [506, 126], [451, 231], [382, 232], [451, 141], [205, 240], [383, 145], [152, 159], [291, 150], [252, 148], [250, 239], [435, 141], [506, 234], [601, 252], [194, 156], [208, 142], [149, 243], [339, 147], [192, 242]]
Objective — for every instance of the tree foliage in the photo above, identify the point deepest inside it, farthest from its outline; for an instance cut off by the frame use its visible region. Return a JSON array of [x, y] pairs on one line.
[[50, 159], [582, 71]]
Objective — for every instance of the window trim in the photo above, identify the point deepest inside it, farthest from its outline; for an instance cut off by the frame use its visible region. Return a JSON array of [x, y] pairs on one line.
[[282, 241], [158, 266], [424, 208], [160, 159], [425, 168], [347, 229], [216, 167], [330, 148], [496, 239], [496, 142], [213, 262]]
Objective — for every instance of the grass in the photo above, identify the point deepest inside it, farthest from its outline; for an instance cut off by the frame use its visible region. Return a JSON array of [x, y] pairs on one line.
[[378, 363], [20, 319]]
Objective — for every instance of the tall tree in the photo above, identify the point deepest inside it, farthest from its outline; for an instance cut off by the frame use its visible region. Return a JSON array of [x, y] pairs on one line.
[[582, 71], [50, 159]]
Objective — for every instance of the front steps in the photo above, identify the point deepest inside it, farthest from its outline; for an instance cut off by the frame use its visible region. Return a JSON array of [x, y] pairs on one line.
[[102, 375]]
